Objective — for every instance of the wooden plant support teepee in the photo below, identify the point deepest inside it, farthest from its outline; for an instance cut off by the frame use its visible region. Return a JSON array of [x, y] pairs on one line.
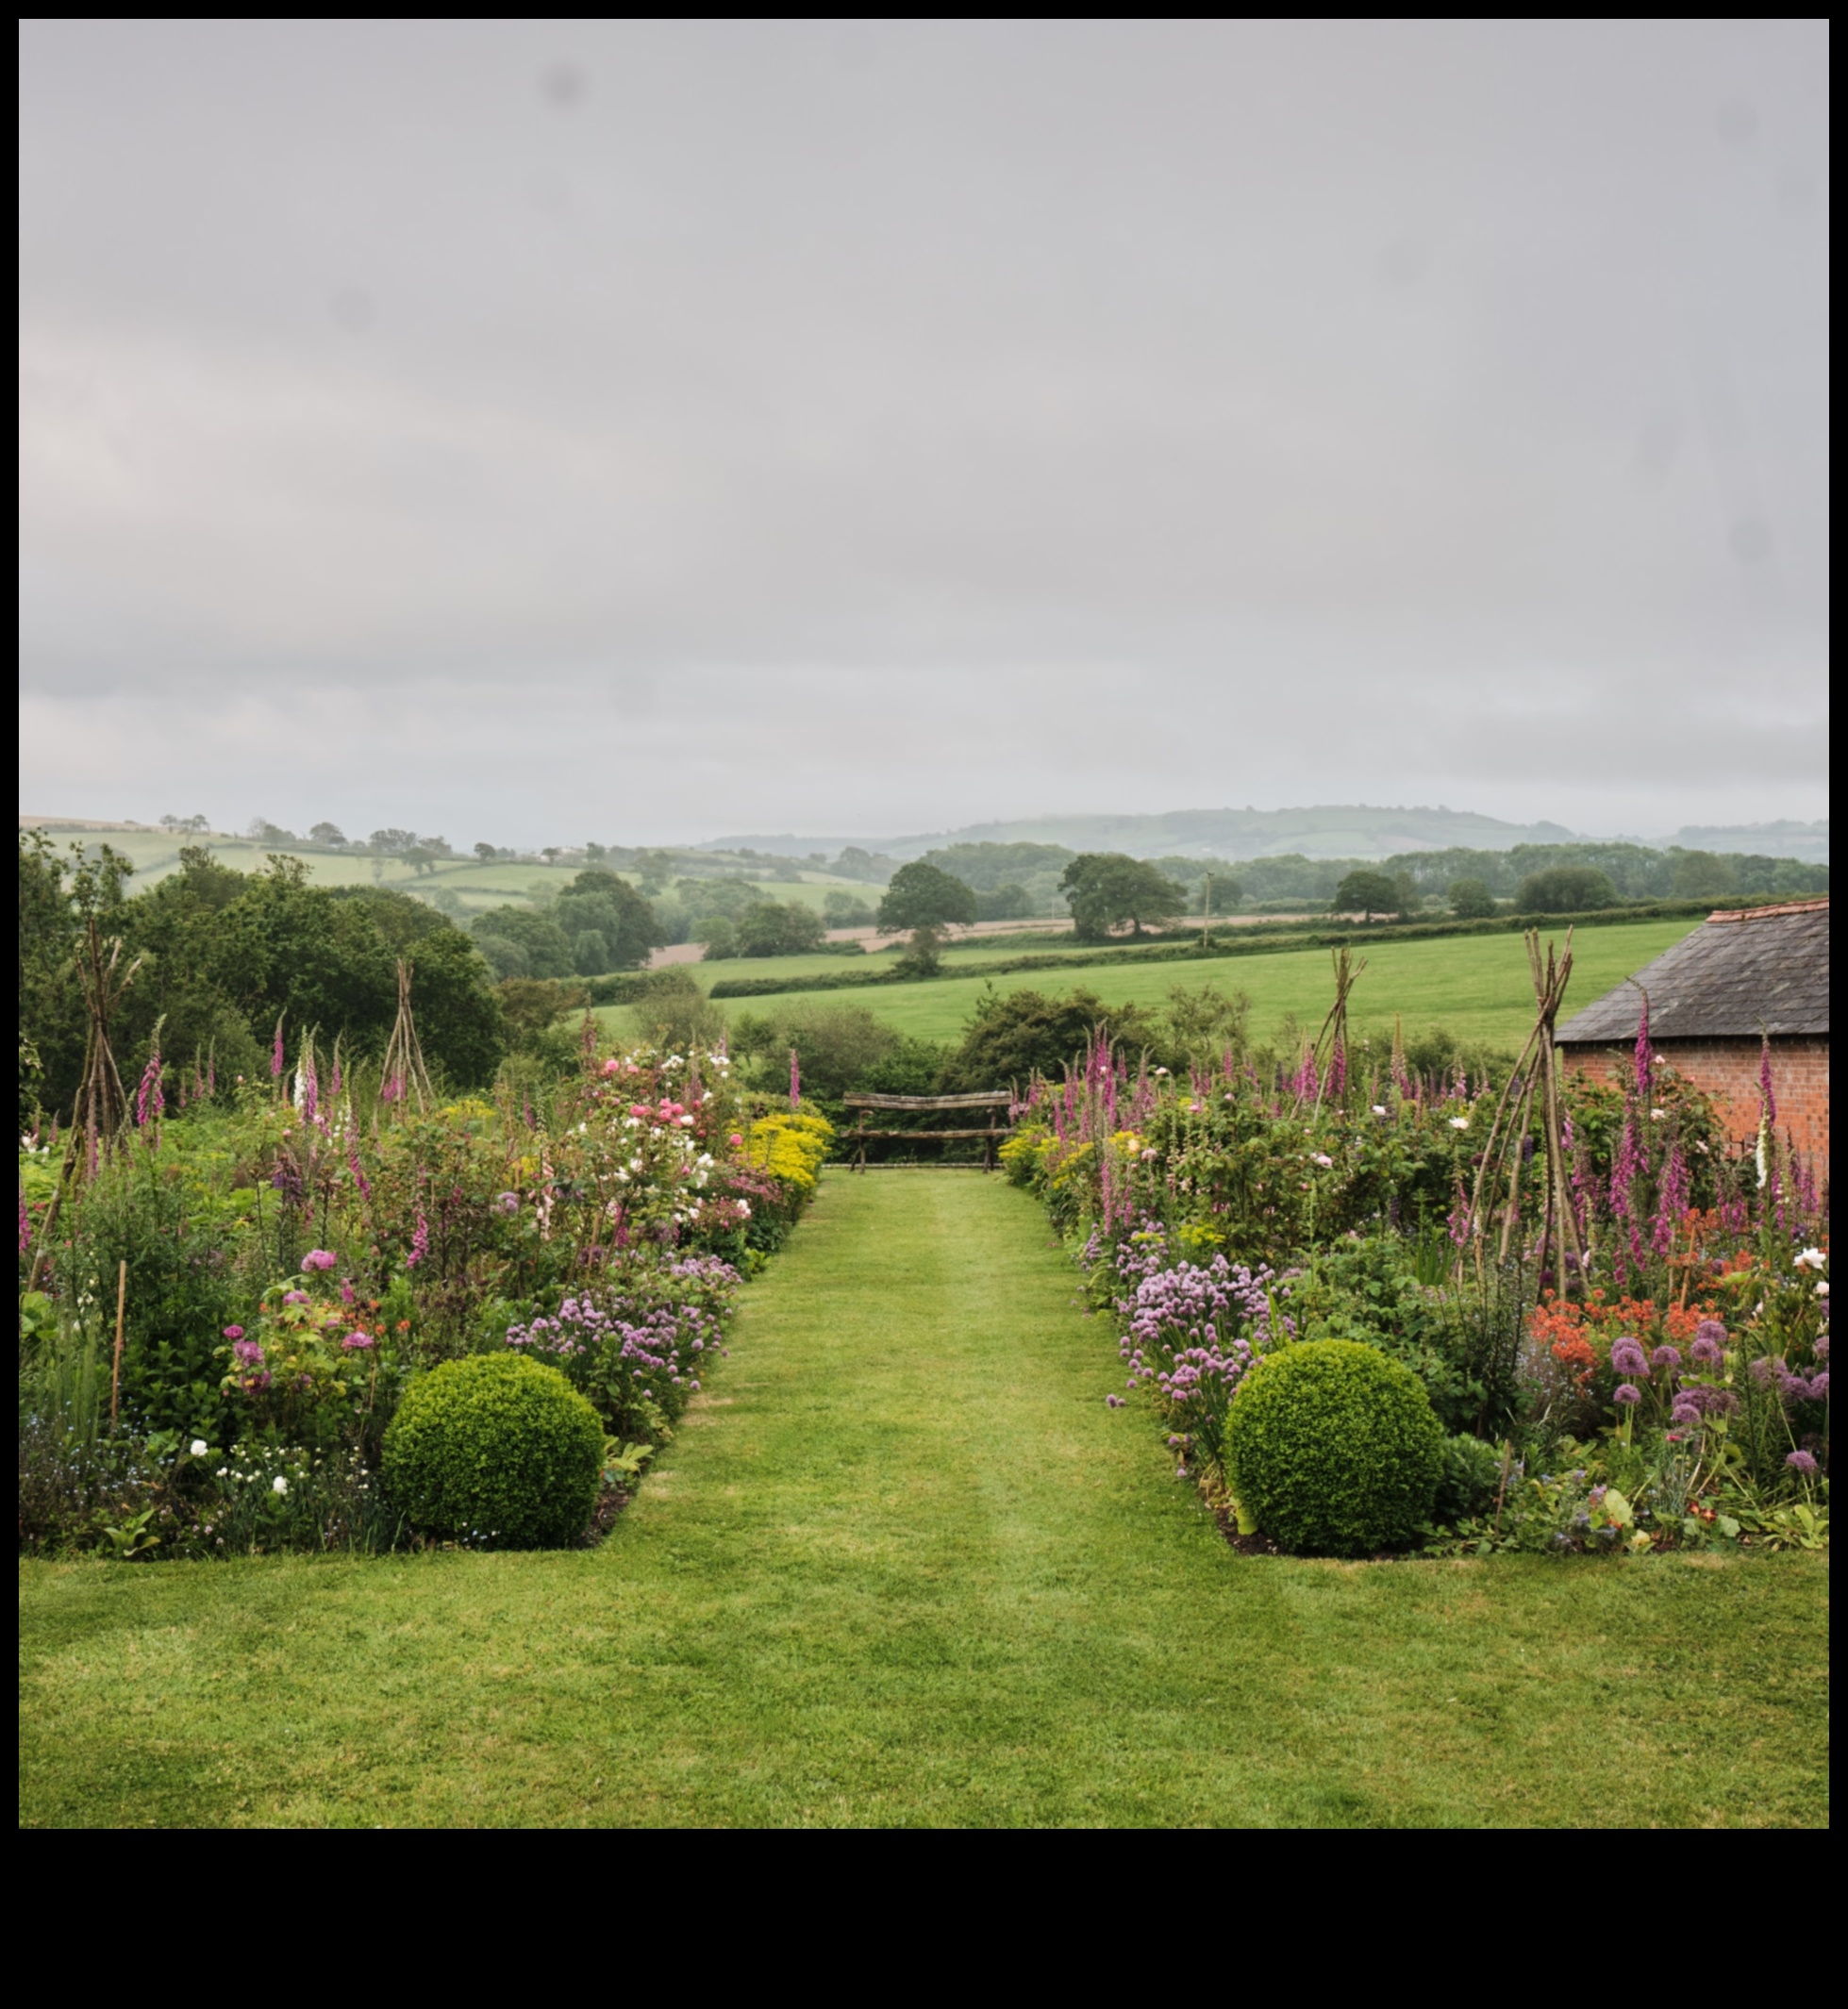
[[404, 1073], [1332, 1038], [100, 1114], [1534, 1081]]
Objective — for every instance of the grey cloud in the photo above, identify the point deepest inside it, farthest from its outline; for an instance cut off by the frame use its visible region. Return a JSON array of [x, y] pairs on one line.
[[642, 424]]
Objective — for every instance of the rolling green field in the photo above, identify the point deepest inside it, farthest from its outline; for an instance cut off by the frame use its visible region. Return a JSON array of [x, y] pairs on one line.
[[154, 854], [1477, 986], [902, 1566]]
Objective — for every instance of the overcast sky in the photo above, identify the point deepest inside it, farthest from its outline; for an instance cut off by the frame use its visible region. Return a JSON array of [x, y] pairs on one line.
[[540, 431]]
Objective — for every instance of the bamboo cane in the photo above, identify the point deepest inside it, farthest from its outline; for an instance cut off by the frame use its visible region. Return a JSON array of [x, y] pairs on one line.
[[115, 1367]]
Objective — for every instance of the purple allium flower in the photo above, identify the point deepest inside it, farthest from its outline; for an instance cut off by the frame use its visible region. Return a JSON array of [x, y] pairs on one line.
[[1628, 1357], [1666, 1357], [234, 1332], [1801, 1461], [294, 1297], [1709, 1347], [248, 1352], [1627, 1394], [510, 1202], [1686, 1413], [319, 1259], [355, 1342]]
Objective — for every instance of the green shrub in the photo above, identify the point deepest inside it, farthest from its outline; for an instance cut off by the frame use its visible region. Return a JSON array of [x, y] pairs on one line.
[[495, 1450], [1334, 1449], [1468, 1479]]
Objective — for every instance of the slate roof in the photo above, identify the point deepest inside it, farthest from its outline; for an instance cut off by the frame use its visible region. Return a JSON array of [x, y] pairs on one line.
[[1766, 969]]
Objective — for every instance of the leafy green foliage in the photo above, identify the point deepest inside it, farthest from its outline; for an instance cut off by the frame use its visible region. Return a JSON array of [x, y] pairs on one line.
[[1565, 889], [1468, 1477], [1106, 889], [1006, 903], [846, 910], [223, 955], [1335, 1450], [1016, 1034], [532, 1005], [837, 1045], [985, 867], [1470, 900], [497, 1452], [675, 1013], [770, 927]]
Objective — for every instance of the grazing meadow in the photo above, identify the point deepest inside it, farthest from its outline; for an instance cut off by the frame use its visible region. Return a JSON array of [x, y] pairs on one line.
[[1473, 986]]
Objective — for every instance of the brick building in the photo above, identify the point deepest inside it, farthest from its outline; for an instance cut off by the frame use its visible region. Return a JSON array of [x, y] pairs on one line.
[[1714, 997]]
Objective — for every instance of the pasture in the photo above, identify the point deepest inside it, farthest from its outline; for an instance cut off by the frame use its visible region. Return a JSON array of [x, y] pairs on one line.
[[1476, 986]]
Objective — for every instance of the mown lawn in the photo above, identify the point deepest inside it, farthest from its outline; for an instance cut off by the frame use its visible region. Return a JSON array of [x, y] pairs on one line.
[[1474, 985], [903, 1567]]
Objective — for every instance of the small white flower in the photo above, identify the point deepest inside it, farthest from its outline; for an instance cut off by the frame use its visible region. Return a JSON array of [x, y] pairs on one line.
[[1656, 1116], [1379, 1108], [278, 1486], [1459, 1123], [1811, 1259], [199, 1447]]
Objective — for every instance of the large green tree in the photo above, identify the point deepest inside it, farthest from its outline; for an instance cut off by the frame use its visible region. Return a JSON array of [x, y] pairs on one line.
[[1368, 891], [925, 896], [599, 903], [1106, 889]]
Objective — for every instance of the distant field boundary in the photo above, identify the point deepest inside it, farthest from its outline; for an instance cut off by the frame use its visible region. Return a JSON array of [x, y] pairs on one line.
[[624, 991]]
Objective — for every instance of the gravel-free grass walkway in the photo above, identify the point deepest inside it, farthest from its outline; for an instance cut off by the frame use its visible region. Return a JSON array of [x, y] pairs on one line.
[[903, 1566]]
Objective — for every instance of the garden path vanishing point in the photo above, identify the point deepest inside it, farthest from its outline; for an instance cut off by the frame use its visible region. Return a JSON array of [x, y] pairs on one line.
[[904, 1566]]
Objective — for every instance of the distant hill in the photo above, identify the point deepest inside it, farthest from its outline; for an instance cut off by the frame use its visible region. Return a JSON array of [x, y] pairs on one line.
[[1808, 841], [1340, 832]]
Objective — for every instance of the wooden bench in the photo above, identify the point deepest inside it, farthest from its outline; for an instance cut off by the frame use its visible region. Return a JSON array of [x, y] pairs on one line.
[[991, 1137]]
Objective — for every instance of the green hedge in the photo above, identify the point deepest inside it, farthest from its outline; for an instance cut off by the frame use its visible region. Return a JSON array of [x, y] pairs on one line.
[[1335, 1450], [497, 1451]]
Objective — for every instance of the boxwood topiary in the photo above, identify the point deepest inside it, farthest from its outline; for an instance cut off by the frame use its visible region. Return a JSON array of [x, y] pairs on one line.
[[497, 1450], [1334, 1449]]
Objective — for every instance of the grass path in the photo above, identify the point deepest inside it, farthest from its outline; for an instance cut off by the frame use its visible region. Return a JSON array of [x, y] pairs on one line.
[[903, 1566]]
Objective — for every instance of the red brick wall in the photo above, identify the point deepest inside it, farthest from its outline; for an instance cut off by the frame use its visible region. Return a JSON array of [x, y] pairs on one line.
[[1727, 1070]]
